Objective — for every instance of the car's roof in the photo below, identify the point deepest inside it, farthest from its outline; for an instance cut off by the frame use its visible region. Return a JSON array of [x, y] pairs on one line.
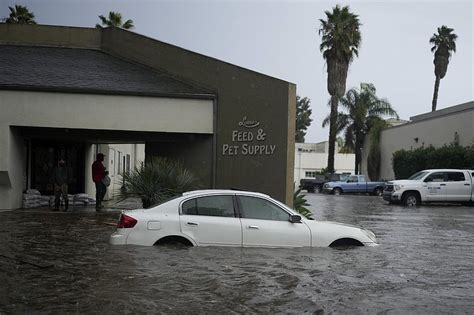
[[222, 191], [446, 170]]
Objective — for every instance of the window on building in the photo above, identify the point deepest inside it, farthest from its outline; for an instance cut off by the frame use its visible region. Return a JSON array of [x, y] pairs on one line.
[[311, 174]]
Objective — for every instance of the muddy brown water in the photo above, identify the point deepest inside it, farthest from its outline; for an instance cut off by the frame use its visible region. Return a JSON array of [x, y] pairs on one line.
[[62, 262]]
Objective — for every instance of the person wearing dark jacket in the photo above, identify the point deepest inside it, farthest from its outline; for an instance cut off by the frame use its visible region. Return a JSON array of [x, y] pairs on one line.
[[98, 174], [62, 177]]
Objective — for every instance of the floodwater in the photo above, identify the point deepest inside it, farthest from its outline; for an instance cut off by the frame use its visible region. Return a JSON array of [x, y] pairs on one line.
[[61, 262]]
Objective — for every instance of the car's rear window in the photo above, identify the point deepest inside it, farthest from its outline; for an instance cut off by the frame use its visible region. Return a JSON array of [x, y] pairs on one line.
[[166, 200]]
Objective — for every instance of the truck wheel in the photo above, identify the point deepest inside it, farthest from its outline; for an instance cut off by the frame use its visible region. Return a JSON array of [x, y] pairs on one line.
[[337, 191], [311, 190], [411, 199], [378, 191], [317, 189]]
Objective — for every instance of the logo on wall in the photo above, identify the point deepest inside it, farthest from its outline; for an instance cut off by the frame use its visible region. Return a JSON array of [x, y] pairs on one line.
[[248, 142]]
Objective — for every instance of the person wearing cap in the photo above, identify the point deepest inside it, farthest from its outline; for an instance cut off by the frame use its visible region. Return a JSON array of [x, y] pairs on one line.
[[98, 174], [62, 177]]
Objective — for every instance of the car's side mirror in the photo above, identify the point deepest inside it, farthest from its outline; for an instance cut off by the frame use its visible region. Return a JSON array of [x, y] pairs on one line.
[[295, 218], [429, 179]]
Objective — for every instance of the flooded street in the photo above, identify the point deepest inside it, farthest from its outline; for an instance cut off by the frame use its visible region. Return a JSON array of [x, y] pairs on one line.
[[62, 262]]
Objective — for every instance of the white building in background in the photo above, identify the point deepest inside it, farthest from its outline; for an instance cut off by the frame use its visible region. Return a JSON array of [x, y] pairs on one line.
[[313, 157], [454, 124]]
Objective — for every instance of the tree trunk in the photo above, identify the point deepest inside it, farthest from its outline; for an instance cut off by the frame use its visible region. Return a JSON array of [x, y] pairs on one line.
[[357, 153], [435, 93], [357, 161], [332, 133]]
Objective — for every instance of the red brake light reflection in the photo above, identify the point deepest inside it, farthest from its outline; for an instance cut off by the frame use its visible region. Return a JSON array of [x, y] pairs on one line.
[[126, 222]]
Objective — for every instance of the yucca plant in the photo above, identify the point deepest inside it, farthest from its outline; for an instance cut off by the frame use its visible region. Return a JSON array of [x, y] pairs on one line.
[[299, 203], [157, 180]]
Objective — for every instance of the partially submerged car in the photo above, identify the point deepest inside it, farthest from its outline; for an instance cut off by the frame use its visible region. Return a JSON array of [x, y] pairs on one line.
[[232, 218]]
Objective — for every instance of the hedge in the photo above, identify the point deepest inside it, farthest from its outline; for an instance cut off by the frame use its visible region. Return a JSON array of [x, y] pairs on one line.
[[408, 162]]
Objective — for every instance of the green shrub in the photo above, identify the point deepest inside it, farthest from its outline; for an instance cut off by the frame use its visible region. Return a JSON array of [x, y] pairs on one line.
[[157, 180], [408, 162], [299, 203]]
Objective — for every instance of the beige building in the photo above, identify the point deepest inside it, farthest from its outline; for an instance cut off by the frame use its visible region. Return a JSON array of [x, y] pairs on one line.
[[445, 126], [69, 92]]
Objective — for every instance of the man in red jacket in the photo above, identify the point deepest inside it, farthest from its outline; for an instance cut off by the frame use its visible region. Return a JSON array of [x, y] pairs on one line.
[[98, 174]]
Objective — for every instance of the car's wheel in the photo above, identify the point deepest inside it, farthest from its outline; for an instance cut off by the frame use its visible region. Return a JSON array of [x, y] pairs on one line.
[[337, 191], [411, 199], [317, 189], [378, 191]]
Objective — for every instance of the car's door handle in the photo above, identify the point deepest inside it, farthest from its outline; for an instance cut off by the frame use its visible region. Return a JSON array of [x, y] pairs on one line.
[[192, 223], [442, 184], [253, 227], [467, 184]]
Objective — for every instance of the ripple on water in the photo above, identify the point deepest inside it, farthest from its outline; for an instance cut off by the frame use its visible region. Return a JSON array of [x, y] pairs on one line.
[[424, 264]]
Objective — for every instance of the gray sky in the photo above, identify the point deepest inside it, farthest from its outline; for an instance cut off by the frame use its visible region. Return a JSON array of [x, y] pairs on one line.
[[280, 38]]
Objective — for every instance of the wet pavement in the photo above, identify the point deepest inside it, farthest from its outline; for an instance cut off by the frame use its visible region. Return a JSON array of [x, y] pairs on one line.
[[58, 262]]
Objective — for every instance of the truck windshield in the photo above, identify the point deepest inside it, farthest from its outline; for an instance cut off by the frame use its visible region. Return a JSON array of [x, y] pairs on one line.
[[418, 175]]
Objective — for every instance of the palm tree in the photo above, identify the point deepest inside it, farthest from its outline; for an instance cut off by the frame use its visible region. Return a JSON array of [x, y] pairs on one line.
[[20, 15], [362, 109], [341, 39], [115, 19], [443, 44]]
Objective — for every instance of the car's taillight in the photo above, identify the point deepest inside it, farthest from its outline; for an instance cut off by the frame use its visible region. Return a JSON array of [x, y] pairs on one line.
[[126, 222]]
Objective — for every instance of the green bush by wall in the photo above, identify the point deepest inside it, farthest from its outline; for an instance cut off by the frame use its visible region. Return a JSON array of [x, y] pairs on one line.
[[408, 162]]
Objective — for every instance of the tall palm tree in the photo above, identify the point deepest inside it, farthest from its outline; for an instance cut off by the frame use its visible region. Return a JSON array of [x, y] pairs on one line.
[[443, 44], [114, 19], [341, 39], [362, 109], [20, 15]]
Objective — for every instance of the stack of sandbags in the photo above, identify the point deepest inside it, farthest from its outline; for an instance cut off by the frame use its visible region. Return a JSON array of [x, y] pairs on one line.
[[32, 199], [44, 201], [81, 199], [91, 201]]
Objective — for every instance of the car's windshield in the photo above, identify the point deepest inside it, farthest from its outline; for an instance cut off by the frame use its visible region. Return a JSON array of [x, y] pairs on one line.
[[418, 175]]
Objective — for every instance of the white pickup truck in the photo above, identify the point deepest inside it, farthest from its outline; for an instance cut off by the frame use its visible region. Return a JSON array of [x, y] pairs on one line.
[[438, 185]]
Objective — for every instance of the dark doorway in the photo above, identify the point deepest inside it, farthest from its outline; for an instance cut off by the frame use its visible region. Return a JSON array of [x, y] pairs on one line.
[[44, 157]]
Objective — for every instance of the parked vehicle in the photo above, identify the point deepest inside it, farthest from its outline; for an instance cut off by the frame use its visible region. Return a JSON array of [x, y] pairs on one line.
[[354, 184], [316, 184], [436, 185], [232, 218]]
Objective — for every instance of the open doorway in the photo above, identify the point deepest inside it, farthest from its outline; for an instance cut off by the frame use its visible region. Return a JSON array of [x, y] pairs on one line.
[[45, 156]]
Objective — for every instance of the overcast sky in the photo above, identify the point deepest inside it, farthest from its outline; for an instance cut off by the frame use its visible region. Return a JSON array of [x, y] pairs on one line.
[[280, 38]]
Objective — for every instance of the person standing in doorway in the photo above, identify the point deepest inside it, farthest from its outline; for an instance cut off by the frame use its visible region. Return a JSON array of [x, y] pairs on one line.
[[98, 174], [62, 177]]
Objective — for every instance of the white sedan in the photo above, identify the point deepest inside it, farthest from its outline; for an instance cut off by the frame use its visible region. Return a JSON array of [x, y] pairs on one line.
[[232, 218]]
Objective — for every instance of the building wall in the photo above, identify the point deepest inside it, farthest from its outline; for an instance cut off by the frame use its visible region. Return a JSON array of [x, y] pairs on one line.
[[436, 129], [195, 152], [314, 162], [91, 112], [240, 93]]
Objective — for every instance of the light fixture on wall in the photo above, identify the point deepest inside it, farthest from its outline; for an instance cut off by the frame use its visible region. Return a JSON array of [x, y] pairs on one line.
[[416, 139]]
